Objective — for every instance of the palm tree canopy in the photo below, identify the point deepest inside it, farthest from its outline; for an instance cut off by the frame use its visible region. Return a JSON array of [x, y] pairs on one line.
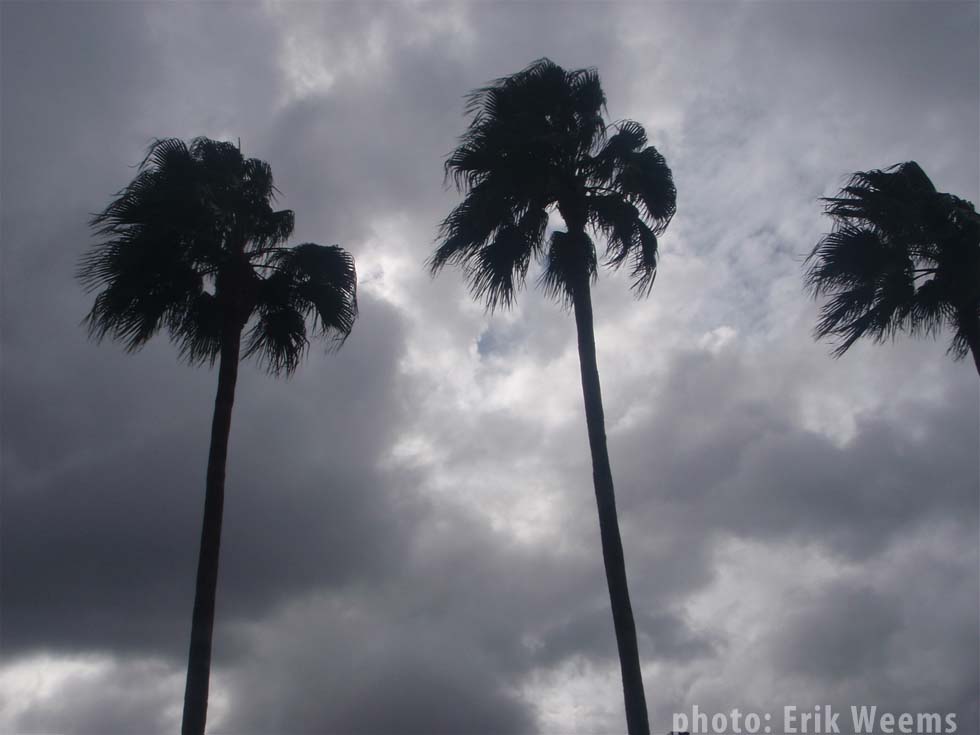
[[901, 257], [537, 141], [194, 245]]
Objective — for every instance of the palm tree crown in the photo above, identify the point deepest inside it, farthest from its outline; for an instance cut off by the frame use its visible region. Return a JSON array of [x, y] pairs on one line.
[[538, 141], [194, 245], [901, 257]]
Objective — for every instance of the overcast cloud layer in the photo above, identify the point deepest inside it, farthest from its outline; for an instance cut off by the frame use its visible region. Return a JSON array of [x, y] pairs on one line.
[[410, 542]]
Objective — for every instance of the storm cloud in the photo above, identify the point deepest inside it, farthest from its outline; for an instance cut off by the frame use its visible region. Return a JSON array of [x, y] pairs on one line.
[[410, 541]]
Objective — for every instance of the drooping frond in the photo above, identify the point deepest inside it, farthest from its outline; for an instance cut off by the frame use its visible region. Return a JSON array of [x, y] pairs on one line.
[[608, 162], [628, 238], [278, 338], [318, 282], [473, 222], [647, 181], [198, 331], [570, 258], [871, 280], [853, 256], [146, 284], [498, 269], [930, 308]]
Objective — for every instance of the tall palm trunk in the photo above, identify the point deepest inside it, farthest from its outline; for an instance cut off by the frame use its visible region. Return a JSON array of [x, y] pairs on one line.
[[612, 545], [975, 351], [973, 339], [199, 659]]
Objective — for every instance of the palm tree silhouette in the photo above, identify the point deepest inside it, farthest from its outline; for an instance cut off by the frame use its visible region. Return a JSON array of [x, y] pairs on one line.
[[537, 142], [193, 245], [902, 257]]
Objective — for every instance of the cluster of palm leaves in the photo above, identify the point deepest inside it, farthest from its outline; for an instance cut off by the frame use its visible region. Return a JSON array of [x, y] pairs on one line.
[[902, 257], [194, 246], [537, 142]]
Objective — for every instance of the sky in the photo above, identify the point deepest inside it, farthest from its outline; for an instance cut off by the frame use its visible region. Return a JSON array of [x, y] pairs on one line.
[[410, 541]]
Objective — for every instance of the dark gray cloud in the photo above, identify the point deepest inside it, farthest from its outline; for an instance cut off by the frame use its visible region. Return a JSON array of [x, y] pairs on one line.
[[730, 458], [104, 544], [410, 540], [844, 631]]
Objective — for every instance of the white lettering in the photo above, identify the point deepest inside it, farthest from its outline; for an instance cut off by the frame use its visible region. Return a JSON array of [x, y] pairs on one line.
[[699, 722], [863, 719], [789, 719], [830, 720]]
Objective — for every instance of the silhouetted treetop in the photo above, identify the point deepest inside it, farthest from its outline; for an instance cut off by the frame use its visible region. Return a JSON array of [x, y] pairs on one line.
[[537, 142], [194, 242], [902, 257]]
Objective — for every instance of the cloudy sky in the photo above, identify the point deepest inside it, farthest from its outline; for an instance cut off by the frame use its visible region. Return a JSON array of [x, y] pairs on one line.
[[410, 539]]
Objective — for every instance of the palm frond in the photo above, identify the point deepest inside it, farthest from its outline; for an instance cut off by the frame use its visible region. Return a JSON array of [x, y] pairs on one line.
[[965, 322], [852, 256], [628, 238], [589, 103], [270, 229], [616, 219], [930, 308], [473, 222], [647, 181], [645, 258], [871, 281], [498, 269], [145, 286], [166, 154], [893, 201], [629, 138], [322, 284], [277, 339], [197, 329], [570, 259], [257, 181]]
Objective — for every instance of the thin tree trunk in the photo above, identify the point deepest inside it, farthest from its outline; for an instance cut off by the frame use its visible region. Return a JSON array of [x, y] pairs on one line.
[[612, 545], [199, 659], [974, 342]]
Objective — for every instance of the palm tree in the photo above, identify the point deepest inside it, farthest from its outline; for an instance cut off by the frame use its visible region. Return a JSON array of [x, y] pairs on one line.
[[902, 257], [193, 245], [537, 142]]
